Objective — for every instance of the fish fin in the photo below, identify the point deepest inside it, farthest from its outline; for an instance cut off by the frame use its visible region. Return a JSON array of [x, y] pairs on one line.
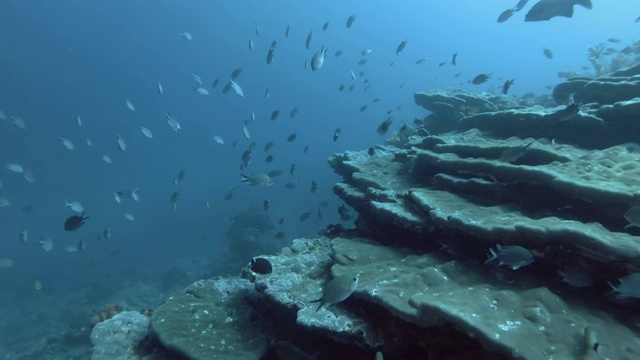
[[245, 178], [492, 256]]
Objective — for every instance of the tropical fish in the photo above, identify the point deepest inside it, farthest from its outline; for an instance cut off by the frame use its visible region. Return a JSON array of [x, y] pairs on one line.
[[514, 256], [16, 168], [174, 125], [122, 145], [480, 79], [245, 131], [272, 50], [337, 290], [129, 105], [236, 88], [401, 47], [318, 59], [507, 85], [505, 15], [258, 180], [146, 132], [308, 42], [218, 139], [548, 9], [67, 144], [75, 206], [74, 222], [350, 20]]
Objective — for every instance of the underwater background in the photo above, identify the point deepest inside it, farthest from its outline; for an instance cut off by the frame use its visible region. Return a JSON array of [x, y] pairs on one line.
[[64, 59]]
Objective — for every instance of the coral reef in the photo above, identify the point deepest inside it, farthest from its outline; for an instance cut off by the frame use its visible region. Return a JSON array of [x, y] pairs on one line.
[[479, 172], [117, 337]]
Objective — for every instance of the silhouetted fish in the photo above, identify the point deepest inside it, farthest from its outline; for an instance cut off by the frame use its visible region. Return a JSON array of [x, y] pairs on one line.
[[547, 9]]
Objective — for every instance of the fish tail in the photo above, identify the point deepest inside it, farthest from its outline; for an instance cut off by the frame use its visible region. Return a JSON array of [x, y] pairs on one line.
[[492, 256]]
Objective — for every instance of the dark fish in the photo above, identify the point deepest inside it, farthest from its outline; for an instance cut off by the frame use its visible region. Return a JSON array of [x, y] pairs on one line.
[[215, 83], [507, 86], [280, 221], [272, 50], [246, 158], [547, 9], [505, 15], [74, 222], [480, 79], [384, 126], [513, 154], [268, 146], [548, 53], [341, 87], [292, 137], [363, 108], [292, 169], [350, 20], [314, 186], [295, 111], [569, 112], [344, 213], [266, 204], [420, 61], [442, 64], [226, 88], [401, 47], [323, 204], [351, 87], [308, 43], [376, 100], [274, 114], [362, 62], [286, 31], [325, 26], [306, 149], [274, 173], [269, 159], [234, 144], [371, 151], [454, 57], [305, 215], [638, 19], [267, 93], [520, 5], [338, 53], [336, 134], [280, 235], [290, 186], [457, 75], [261, 266], [236, 72], [230, 194]]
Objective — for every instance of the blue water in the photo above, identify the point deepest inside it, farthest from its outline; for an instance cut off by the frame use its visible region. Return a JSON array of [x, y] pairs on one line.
[[60, 59]]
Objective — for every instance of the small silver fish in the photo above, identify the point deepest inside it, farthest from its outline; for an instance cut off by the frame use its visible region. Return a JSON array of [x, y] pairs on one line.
[[258, 180], [122, 145], [318, 59], [236, 88], [146, 132], [245, 131], [514, 256]]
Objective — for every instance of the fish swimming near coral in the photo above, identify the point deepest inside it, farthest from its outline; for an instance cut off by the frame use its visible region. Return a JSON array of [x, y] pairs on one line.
[[337, 290], [548, 9]]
